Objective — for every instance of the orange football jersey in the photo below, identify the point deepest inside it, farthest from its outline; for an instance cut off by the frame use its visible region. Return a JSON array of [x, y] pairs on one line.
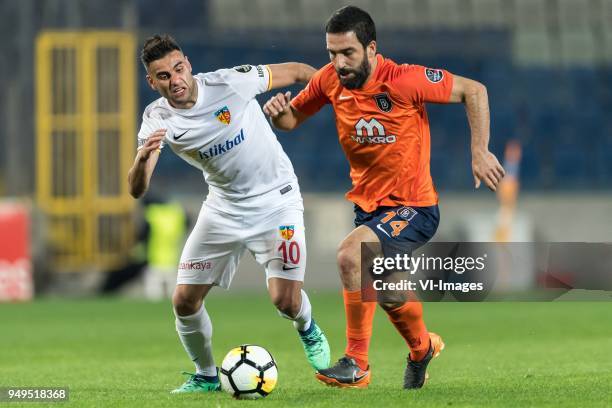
[[383, 129]]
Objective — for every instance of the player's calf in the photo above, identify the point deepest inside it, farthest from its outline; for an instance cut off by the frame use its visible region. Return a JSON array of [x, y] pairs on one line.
[[287, 305], [296, 307]]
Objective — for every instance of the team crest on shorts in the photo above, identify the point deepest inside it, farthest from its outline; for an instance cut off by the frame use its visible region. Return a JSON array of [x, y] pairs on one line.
[[224, 115], [407, 213], [287, 231], [383, 102]]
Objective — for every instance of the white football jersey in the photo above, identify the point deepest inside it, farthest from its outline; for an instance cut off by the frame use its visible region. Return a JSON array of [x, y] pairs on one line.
[[226, 135]]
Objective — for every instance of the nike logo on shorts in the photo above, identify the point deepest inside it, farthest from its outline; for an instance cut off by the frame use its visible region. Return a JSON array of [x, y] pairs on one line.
[[379, 226], [285, 268]]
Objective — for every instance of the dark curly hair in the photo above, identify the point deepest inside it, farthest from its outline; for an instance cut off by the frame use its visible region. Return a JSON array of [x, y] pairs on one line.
[[157, 47], [351, 18]]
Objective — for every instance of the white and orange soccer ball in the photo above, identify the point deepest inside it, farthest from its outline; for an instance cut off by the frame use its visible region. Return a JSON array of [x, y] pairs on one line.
[[248, 372]]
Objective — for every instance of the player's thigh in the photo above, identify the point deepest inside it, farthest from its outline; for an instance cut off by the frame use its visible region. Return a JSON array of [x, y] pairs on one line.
[[279, 244], [401, 230], [350, 249], [213, 250], [351, 258]]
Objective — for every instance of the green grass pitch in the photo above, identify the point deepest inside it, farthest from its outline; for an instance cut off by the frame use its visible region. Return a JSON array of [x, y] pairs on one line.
[[117, 353]]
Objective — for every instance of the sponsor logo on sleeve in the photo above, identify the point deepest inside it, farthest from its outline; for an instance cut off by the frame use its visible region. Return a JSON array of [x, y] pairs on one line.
[[243, 68], [434, 75], [260, 71]]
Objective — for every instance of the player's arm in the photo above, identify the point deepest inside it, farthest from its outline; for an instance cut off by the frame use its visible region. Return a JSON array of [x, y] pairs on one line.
[[289, 73], [473, 94], [282, 115], [146, 159]]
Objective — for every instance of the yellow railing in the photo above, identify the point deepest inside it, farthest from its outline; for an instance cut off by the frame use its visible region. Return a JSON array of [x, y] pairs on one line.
[[85, 112]]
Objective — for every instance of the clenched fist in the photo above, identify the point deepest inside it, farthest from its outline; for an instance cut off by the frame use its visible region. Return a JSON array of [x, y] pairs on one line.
[[277, 105], [152, 144]]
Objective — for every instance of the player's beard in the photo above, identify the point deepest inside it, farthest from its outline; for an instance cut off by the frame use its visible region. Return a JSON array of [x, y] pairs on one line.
[[360, 75]]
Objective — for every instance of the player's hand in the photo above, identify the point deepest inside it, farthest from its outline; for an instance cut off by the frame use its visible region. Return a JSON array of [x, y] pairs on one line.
[[486, 168], [153, 143], [277, 105]]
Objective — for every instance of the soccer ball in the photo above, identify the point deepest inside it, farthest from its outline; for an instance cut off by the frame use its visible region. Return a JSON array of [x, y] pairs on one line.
[[249, 372]]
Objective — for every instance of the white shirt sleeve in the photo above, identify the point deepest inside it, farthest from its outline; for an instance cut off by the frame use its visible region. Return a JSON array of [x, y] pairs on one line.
[[150, 123], [246, 80]]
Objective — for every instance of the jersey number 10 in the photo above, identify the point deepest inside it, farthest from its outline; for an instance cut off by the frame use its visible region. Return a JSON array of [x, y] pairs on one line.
[[290, 253]]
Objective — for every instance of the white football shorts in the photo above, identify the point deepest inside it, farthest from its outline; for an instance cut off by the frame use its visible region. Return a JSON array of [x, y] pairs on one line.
[[275, 236]]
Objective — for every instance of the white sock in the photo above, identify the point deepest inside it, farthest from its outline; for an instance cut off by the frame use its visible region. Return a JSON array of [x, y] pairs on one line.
[[195, 332], [302, 320]]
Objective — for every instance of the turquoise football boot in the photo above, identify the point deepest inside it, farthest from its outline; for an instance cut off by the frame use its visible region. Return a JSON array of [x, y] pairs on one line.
[[197, 383], [316, 346]]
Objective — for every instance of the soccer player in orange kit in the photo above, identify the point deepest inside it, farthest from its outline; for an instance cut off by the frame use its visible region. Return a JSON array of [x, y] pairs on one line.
[[383, 128]]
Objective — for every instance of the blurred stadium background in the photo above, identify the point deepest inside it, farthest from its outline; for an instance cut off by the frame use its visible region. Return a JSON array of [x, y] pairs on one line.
[[75, 91]]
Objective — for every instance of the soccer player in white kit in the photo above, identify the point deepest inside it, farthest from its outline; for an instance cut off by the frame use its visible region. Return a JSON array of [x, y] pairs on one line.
[[213, 121]]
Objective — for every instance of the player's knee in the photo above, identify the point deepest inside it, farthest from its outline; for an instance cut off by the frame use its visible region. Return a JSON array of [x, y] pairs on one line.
[[185, 304], [347, 258]]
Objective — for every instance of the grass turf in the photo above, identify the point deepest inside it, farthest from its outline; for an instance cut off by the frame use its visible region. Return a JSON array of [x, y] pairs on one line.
[[113, 352]]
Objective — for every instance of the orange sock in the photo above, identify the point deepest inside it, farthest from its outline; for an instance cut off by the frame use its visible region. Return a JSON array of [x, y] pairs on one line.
[[359, 317], [408, 320]]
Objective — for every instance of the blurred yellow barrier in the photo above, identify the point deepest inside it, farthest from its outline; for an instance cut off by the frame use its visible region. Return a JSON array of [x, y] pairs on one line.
[[85, 112]]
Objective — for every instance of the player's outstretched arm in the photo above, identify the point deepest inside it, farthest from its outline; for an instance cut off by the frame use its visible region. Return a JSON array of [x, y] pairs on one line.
[[289, 73], [144, 164], [282, 115], [485, 166]]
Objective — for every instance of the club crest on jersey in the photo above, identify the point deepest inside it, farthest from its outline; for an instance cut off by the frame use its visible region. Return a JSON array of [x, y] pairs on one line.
[[286, 231], [383, 102], [434, 75], [224, 115]]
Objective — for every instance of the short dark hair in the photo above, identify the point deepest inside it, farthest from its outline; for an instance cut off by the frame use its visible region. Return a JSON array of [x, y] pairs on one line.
[[157, 47], [351, 18]]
